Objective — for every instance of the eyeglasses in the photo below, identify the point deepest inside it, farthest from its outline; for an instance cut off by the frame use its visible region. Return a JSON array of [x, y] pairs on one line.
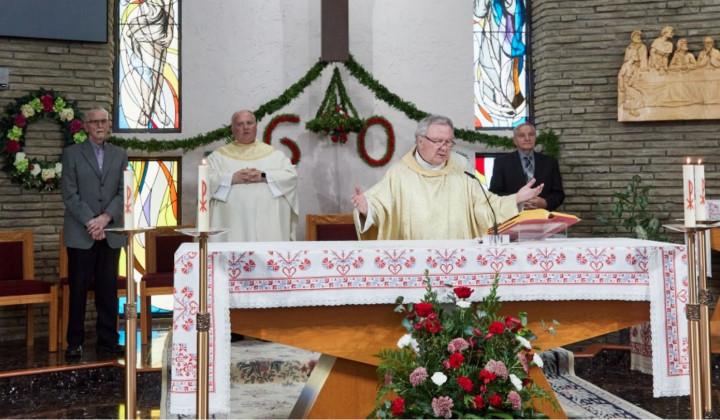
[[441, 143], [97, 122]]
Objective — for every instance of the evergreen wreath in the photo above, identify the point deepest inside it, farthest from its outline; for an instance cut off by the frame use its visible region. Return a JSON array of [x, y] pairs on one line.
[[267, 135], [32, 173], [376, 119]]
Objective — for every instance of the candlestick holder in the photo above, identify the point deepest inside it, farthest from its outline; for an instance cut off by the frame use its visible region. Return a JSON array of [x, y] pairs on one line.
[[698, 316], [130, 321], [203, 323]]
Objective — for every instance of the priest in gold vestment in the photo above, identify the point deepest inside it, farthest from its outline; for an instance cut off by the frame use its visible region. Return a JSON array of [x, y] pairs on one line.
[[253, 187], [428, 195]]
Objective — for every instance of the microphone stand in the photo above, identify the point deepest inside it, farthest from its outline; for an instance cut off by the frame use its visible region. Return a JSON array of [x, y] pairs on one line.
[[494, 239]]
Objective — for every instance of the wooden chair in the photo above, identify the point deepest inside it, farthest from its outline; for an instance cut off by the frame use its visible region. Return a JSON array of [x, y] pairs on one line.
[[330, 227], [18, 286], [65, 293], [160, 246]]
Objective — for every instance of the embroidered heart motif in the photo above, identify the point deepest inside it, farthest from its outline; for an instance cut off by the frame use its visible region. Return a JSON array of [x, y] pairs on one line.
[[682, 296], [289, 271], [234, 272], [643, 266], [343, 269], [546, 265], [497, 266], [446, 268], [395, 268], [596, 265]]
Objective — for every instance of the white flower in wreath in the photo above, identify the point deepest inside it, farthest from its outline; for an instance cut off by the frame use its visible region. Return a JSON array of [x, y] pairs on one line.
[[35, 169], [27, 111], [19, 156], [58, 169], [66, 114], [47, 173]]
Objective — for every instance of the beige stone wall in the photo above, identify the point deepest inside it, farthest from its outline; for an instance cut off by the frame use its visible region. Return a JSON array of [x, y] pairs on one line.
[[83, 72]]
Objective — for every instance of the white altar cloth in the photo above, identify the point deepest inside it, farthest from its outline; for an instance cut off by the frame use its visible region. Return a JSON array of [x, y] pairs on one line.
[[293, 274]]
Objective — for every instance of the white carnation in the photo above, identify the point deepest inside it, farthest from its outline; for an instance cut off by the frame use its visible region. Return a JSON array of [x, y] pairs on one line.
[[439, 378], [464, 304], [404, 340], [19, 156], [35, 169], [523, 341], [538, 360], [58, 168], [516, 381]]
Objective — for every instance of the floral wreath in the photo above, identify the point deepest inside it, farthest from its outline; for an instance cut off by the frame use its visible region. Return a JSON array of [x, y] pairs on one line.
[[32, 173], [267, 135], [389, 150]]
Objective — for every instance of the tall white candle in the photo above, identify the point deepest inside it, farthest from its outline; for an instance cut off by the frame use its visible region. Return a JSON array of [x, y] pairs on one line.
[[128, 189], [689, 193], [203, 213], [700, 206]]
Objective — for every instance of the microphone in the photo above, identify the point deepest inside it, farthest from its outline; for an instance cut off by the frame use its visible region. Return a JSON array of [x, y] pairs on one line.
[[492, 210]]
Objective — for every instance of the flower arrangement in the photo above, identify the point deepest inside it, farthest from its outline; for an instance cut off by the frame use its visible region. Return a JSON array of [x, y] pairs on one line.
[[336, 116], [31, 172], [459, 360]]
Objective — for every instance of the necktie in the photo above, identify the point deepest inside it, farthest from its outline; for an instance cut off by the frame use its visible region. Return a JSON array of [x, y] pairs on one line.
[[529, 168]]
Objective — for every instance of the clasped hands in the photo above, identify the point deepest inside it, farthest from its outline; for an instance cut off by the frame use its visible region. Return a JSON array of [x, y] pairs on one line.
[[96, 226], [247, 176], [529, 196]]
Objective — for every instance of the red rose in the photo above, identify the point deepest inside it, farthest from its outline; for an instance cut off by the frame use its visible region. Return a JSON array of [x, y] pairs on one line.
[[465, 383], [433, 326], [456, 359], [478, 401], [12, 146], [513, 323], [76, 125], [20, 120], [398, 406], [48, 102], [423, 308], [463, 292], [495, 400], [497, 328]]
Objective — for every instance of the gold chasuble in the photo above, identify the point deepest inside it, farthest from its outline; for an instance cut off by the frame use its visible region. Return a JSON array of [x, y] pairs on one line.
[[263, 211], [411, 202]]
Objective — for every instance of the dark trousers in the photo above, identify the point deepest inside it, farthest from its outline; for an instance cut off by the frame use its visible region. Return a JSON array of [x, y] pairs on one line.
[[99, 266]]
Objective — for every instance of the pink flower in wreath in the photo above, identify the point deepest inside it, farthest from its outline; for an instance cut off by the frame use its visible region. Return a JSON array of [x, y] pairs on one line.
[[47, 102], [12, 146], [76, 125], [20, 120]]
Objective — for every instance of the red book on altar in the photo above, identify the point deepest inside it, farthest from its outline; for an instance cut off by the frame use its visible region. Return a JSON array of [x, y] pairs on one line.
[[536, 224]]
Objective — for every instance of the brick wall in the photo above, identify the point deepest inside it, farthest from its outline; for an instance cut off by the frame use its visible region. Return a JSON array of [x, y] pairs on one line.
[[83, 72], [578, 47]]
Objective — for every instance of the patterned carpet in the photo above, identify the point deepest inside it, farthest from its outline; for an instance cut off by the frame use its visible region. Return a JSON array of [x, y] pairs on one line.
[[581, 399], [267, 378]]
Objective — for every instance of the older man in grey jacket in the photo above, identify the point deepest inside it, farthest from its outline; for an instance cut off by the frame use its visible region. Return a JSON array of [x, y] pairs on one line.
[[92, 188]]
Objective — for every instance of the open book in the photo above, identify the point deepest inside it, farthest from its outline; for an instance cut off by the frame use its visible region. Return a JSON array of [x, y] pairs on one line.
[[535, 224]]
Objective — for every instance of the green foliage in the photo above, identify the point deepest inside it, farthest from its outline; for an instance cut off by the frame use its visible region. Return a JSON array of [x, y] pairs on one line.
[[629, 212], [547, 139], [459, 359]]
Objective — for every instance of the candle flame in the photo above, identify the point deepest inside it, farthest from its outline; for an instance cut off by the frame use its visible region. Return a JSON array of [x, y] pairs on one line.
[[699, 161], [688, 161], [203, 162]]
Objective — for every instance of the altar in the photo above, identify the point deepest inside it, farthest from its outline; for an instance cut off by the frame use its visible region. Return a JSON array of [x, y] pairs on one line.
[[337, 298]]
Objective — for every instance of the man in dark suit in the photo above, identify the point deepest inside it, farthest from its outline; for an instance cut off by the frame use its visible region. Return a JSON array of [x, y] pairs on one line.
[[512, 171], [92, 187]]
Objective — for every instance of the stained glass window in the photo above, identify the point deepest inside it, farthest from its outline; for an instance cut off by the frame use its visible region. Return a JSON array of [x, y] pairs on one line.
[[500, 63], [148, 66], [157, 203]]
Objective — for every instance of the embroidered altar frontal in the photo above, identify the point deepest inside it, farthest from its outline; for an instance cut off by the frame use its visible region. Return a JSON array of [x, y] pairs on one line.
[[298, 274]]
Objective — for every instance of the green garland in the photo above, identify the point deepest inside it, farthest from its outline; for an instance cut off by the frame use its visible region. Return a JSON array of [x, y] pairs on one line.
[[547, 139]]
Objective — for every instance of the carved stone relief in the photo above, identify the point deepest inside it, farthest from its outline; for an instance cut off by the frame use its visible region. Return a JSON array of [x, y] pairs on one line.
[[668, 82]]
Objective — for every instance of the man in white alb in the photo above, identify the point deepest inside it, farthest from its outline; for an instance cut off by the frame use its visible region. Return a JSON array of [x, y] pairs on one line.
[[254, 187]]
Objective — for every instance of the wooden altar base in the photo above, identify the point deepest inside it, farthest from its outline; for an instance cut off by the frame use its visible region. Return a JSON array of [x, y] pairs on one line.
[[344, 383]]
